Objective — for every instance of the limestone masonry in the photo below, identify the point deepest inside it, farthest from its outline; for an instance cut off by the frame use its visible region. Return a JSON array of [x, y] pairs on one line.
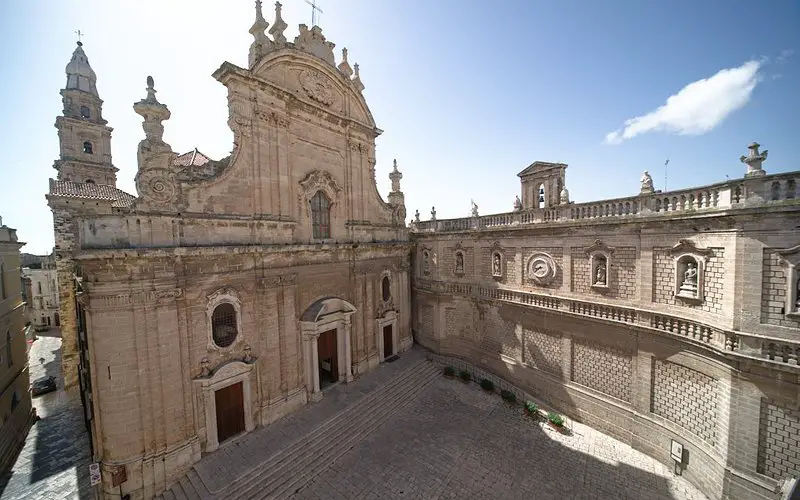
[[230, 292]]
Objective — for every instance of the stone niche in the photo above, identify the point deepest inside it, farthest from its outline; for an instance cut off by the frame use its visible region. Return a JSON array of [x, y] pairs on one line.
[[599, 265], [689, 262], [459, 257], [790, 258], [427, 258], [497, 261]]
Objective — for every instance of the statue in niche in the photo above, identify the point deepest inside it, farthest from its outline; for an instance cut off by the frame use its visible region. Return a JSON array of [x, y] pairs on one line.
[[647, 183], [689, 285], [517, 204], [601, 272], [797, 294], [496, 265], [426, 266], [459, 263]]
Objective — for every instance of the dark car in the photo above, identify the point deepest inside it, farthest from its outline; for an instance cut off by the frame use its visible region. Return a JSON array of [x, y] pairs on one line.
[[43, 386]]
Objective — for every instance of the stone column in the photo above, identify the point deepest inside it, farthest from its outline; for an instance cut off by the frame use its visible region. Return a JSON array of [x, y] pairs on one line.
[[311, 349], [347, 355]]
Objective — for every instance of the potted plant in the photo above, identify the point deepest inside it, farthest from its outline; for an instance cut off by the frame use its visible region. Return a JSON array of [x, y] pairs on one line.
[[465, 376], [531, 409], [556, 421], [508, 396], [449, 372], [487, 385]]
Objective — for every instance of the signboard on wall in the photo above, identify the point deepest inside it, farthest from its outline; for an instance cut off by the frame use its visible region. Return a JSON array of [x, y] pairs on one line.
[[118, 475], [676, 451], [94, 474]]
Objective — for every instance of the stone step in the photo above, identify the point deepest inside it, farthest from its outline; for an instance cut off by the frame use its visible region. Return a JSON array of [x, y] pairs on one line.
[[197, 484], [188, 488], [306, 462], [321, 462], [167, 495], [359, 407], [177, 489]]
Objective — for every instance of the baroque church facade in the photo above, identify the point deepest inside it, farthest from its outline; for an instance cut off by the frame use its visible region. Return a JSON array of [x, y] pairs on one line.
[[228, 292]]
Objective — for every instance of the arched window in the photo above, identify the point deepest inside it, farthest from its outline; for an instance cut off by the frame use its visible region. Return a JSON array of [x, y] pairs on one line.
[[89, 181], [223, 324], [541, 195], [386, 288], [2, 281], [321, 216], [87, 147], [39, 287], [85, 112], [9, 360]]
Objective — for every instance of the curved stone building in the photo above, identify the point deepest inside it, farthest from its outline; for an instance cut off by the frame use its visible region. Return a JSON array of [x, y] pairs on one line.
[[661, 317]]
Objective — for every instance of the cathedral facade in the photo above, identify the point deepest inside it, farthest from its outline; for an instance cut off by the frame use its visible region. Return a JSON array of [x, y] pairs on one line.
[[227, 293]]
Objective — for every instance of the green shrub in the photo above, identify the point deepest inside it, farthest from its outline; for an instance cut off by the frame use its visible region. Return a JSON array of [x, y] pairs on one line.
[[532, 407], [449, 371], [555, 418], [508, 396], [465, 375], [487, 385]]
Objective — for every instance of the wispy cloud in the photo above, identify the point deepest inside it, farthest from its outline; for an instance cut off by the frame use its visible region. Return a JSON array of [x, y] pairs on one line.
[[698, 107], [784, 55]]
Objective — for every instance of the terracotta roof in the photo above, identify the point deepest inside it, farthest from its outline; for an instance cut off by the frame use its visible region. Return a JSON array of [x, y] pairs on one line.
[[192, 159], [91, 192]]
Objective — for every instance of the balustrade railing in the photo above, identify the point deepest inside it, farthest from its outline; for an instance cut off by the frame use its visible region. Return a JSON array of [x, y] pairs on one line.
[[779, 351], [741, 193]]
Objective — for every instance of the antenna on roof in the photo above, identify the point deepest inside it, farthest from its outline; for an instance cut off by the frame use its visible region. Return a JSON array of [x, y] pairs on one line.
[[665, 174]]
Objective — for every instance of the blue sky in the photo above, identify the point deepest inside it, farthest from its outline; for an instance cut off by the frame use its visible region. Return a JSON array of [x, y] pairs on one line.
[[468, 93]]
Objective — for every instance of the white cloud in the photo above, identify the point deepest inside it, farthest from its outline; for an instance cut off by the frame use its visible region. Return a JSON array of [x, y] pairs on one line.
[[784, 55], [698, 107]]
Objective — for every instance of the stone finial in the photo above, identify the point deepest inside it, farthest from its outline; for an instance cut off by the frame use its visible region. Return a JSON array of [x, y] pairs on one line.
[[416, 216], [517, 204], [395, 177], [278, 27], [357, 79], [473, 208], [564, 196], [754, 160], [314, 42], [344, 66], [261, 44], [646, 184], [433, 213], [153, 113]]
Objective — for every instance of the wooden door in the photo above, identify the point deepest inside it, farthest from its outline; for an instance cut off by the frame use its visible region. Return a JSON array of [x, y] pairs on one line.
[[327, 353], [230, 411], [388, 348]]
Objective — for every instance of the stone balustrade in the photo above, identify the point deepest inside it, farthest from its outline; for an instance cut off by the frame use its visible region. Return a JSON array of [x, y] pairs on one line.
[[728, 342], [734, 194]]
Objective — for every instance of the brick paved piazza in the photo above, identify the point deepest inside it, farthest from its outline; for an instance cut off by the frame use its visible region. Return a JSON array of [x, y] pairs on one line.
[[455, 441]]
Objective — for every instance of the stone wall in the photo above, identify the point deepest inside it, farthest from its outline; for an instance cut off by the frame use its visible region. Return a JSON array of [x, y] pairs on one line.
[[664, 280], [603, 368], [779, 440], [687, 397], [773, 298], [542, 350]]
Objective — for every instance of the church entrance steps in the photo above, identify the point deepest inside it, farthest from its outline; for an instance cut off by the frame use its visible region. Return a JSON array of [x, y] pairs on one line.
[[276, 460]]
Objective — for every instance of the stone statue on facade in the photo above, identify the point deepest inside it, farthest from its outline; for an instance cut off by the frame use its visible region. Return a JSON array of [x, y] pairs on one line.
[[459, 263], [601, 273], [204, 369], [426, 263], [647, 183], [497, 269], [689, 285], [416, 216], [433, 213], [473, 208], [517, 204], [797, 294]]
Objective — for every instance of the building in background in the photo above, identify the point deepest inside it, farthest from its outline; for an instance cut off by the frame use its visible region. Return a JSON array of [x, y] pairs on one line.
[[40, 289], [16, 414]]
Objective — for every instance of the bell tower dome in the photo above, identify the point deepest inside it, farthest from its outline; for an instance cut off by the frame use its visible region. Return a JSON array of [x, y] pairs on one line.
[[84, 137]]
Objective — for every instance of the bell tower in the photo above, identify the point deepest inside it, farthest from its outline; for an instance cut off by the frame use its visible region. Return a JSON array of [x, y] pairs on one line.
[[84, 138]]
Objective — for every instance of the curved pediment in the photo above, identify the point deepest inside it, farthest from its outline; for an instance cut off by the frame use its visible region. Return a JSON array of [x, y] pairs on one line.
[[314, 80]]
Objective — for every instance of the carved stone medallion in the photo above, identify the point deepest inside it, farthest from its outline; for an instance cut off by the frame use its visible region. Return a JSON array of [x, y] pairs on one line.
[[157, 185], [317, 87], [542, 269]]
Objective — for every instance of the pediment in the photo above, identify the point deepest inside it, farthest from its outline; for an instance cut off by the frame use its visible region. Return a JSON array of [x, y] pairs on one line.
[[689, 247]]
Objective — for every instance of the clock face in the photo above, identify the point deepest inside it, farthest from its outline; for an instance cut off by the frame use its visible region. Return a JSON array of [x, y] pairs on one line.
[[542, 269]]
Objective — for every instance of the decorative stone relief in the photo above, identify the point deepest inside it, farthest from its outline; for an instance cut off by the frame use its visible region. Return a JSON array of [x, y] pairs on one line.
[[157, 186], [689, 262], [541, 269], [791, 260], [313, 41], [599, 264], [168, 296], [318, 180], [317, 86], [221, 296]]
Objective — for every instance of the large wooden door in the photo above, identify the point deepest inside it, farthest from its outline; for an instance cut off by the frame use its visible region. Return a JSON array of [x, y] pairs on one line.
[[388, 347], [328, 359], [230, 411]]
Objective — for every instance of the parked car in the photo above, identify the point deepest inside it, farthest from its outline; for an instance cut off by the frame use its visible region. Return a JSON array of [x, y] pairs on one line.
[[43, 386]]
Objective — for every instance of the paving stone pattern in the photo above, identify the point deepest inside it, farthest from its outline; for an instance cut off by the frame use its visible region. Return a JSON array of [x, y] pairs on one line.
[[54, 462], [779, 441], [603, 368], [687, 397], [456, 441]]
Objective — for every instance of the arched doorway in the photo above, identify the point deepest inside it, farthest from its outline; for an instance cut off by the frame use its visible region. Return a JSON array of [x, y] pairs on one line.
[[326, 344]]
